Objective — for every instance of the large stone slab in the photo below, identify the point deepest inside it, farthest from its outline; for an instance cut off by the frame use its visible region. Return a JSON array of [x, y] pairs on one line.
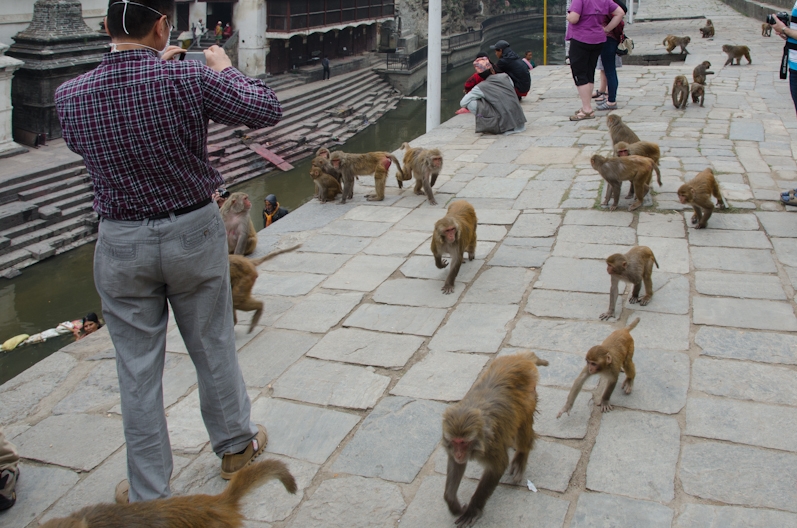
[[493, 233], [442, 376], [778, 224], [356, 228], [37, 489], [660, 331], [733, 259], [487, 187], [353, 502], [743, 422], [584, 250], [746, 130], [747, 286], [671, 295], [660, 225], [566, 336], [625, 439], [321, 263], [732, 517], [346, 245], [542, 195], [331, 384], [786, 250], [764, 347], [376, 213], [351, 345], [535, 225], [98, 391], [78, 441], [550, 466], [319, 312], [570, 274], [745, 381], [744, 313], [508, 506], [593, 507], [397, 319], [417, 292], [421, 219], [21, 394], [522, 252], [661, 384], [733, 239], [421, 267], [363, 273], [497, 216], [301, 431], [601, 234], [271, 353], [567, 305], [732, 222], [289, 284], [374, 452], [598, 218], [398, 243], [672, 254], [474, 328], [500, 286], [768, 476], [550, 401]]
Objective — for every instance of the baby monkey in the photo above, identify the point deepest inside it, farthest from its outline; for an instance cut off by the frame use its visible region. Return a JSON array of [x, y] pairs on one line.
[[635, 267], [607, 359]]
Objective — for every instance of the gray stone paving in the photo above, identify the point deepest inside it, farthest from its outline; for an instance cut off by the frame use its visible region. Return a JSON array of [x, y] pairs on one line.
[[358, 352]]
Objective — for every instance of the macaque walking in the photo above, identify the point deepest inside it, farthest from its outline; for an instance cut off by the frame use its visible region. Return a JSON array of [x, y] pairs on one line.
[[635, 267], [636, 169], [616, 353], [423, 164], [680, 91], [736, 53], [497, 413], [698, 192], [766, 30], [646, 149], [353, 165], [671, 41], [241, 234], [454, 234]]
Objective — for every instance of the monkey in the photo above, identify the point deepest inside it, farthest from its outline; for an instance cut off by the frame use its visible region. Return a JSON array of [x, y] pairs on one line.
[[425, 165], [351, 165], [736, 52], [327, 187], [454, 234], [495, 414], [637, 169], [635, 267], [607, 359], [707, 30], [241, 234], [321, 161], [697, 193], [698, 93], [208, 511], [619, 131], [700, 72], [766, 30], [671, 41], [680, 91], [243, 274], [640, 148]]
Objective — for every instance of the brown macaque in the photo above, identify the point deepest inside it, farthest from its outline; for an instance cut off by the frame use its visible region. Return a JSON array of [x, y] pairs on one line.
[[454, 234], [635, 267], [640, 148], [243, 274], [209, 511], [698, 192], [707, 30], [671, 41], [698, 93], [680, 91], [327, 187], [497, 413], [616, 353], [241, 234], [619, 131], [423, 164], [352, 165], [736, 52], [636, 169], [766, 30], [700, 72]]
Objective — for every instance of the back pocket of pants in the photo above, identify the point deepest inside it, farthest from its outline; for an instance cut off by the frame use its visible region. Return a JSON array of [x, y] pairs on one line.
[[118, 251], [197, 237]]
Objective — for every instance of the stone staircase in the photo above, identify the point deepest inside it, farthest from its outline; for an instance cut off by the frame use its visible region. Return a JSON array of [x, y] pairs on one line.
[[48, 210]]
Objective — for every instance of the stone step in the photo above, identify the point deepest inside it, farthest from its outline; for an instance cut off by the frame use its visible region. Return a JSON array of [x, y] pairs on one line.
[[65, 160], [16, 213], [46, 194], [21, 229], [87, 197], [12, 192], [14, 257]]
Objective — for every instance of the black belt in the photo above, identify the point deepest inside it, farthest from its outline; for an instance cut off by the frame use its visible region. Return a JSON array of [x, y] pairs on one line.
[[181, 211]]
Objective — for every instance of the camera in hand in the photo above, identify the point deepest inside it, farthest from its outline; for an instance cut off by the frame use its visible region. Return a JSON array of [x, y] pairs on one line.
[[782, 16]]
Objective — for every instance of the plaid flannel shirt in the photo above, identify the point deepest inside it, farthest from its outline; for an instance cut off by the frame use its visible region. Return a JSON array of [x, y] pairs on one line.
[[141, 125]]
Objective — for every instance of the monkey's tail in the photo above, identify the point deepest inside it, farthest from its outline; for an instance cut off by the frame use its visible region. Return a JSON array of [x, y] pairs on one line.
[[259, 261], [537, 361], [405, 146], [664, 42], [632, 324], [247, 478], [656, 262], [658, 173], [395, 160]]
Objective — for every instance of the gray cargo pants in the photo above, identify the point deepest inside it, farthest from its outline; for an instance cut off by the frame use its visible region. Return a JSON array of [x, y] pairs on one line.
[[138, 265]]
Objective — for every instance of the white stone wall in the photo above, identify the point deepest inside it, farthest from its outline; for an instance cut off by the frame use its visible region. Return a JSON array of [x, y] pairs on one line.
[[15, 16], [8, 66]]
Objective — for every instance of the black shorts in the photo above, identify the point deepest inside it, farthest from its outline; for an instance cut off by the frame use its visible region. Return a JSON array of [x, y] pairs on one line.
[[583, 60]]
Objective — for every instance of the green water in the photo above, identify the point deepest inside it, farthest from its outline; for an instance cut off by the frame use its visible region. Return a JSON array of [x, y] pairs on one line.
[[62, 288]]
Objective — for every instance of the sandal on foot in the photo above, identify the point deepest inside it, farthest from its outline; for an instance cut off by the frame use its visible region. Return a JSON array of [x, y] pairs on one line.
[[580, 116], [606, 105], [598, 94]]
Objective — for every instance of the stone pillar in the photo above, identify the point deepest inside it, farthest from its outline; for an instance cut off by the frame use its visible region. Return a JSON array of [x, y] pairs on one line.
[[56, 47], [250, 21], [7, 68]]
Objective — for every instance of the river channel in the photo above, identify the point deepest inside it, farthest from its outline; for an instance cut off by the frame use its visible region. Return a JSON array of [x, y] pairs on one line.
[[62, 288]]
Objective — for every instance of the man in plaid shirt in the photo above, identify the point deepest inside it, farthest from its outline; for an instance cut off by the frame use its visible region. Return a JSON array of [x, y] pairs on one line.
[[140, 122]]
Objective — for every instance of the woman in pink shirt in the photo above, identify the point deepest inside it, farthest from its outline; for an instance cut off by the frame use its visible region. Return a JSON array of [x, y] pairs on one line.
[[587, 34]]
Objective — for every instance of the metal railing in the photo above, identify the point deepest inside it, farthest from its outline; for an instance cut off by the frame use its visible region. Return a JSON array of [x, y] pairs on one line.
[[405, 61]]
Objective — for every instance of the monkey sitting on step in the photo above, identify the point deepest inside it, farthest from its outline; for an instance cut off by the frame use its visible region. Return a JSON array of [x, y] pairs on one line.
[[707, 30]]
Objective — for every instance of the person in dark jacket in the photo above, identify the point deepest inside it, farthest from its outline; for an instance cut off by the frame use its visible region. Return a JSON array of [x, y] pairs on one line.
[[511, 64], [272, 211]]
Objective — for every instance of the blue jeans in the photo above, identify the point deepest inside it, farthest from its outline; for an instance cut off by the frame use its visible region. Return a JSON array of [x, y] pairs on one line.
[[793, 86], [609, 67]]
